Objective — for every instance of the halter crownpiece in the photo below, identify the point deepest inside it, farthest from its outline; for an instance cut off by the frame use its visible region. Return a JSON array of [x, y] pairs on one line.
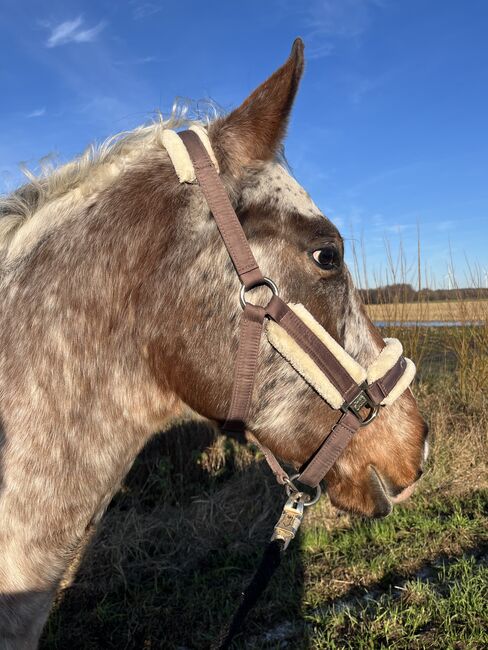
[[343, 383], [178, 154]]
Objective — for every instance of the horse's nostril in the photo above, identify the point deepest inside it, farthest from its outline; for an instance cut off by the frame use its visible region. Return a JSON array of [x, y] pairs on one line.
[[419, 474], [426, 430]]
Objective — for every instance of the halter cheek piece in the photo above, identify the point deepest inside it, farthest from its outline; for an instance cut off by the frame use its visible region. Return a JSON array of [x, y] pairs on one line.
[[344, 384]]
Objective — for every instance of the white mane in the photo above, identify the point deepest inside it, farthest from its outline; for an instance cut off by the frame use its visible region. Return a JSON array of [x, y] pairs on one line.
[[93, 170]]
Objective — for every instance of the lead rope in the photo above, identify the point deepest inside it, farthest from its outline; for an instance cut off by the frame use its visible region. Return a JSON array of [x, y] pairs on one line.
[[269, 563], [284, 531]]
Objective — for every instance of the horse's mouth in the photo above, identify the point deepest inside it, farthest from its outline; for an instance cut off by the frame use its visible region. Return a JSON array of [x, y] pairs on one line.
[[388, 493], [404, 494]]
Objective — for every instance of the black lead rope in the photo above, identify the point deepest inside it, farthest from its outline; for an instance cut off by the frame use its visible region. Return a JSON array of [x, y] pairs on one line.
[[284, 531], [269, 563]]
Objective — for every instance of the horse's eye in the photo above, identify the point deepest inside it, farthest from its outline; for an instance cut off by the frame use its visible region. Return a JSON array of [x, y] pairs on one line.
[[327, 258]]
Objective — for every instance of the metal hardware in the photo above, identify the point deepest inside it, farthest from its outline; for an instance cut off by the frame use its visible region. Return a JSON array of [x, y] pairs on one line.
[[371, 415], [362, 400], [290, 519], [290, 487], [358, 402], [291, 490], [267, 282]]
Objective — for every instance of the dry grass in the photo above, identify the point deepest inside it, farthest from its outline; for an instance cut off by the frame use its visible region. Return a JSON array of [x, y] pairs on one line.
[[459, 310], [185, 533]]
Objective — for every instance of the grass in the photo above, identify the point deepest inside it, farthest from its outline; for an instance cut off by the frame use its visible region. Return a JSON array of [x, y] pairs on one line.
[[185, 534], [447, 610]]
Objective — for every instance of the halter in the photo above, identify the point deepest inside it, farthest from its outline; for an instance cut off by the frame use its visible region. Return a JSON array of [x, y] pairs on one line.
[[343, 383], [292, 330]]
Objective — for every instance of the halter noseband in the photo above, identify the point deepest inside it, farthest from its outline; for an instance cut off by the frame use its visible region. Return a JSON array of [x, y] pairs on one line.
[[292, 330]]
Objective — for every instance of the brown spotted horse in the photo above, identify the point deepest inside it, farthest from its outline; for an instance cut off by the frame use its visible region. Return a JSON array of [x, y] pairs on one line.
[[119, 313]]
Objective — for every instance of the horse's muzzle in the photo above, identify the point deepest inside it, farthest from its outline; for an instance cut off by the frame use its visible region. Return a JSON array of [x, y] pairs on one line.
[[407, 492]]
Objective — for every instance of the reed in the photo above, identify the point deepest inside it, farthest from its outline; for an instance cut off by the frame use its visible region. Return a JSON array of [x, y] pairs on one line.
[[460, 350]]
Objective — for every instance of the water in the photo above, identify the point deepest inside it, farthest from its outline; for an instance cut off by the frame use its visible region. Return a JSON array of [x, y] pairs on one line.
[[429, 323]]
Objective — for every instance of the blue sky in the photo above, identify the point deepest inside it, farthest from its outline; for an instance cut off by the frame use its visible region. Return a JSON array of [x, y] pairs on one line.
[[390, 128]]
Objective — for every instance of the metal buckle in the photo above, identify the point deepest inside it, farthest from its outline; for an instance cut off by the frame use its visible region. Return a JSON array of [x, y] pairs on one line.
[[291, 489], [267, 282], [290, 519], [361, 400]]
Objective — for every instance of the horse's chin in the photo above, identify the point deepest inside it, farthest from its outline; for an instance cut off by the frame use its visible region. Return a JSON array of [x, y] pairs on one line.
[[373, 498]]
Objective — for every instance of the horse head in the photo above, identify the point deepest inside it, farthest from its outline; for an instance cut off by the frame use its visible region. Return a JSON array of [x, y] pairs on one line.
[[303, 252]]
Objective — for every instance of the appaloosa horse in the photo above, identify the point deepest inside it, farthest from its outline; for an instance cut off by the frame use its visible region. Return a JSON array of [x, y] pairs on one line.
[[118, 314]]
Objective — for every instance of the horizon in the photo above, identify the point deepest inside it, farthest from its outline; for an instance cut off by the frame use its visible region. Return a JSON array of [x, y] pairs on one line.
[[388, 133]]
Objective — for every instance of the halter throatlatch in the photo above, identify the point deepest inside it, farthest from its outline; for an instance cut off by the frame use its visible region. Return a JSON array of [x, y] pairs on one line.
[[343, 383]]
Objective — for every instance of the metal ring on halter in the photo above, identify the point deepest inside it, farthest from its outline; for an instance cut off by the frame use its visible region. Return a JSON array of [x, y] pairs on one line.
[[291, 488], [371, 415], [267, 282]]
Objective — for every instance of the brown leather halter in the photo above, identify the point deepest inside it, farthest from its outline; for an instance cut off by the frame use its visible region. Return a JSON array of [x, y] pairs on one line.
[[355, 397]]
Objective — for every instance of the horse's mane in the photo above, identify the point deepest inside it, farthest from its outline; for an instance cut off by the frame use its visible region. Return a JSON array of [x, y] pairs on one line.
[[53, 182]]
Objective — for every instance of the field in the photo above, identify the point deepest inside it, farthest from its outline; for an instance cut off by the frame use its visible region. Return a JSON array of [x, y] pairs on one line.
[[461, 310], [185, 534]]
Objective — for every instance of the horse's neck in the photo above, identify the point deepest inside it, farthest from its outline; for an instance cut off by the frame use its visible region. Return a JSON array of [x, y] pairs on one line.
[[78, 310], [78, 395]]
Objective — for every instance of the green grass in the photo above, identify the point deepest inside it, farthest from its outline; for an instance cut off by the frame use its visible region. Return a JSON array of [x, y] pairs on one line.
[[183, 537], [416, 578], [445, 611]]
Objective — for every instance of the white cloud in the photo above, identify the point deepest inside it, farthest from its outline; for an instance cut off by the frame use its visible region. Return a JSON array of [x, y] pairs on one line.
[[143, 60], [398, 228], [330, 21], [144, 9], [364, 86], [443, 226], [72, 31], [38, 112]]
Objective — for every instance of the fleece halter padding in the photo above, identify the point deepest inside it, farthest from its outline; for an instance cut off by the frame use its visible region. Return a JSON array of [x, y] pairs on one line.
[[312, 374], [386, 359], [179, 156]]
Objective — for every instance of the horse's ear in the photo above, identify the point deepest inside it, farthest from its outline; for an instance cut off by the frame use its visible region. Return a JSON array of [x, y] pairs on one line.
[[255, 130]]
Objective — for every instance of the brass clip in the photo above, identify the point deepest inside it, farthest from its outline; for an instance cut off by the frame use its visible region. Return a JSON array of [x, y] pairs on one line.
[[290, 519]]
